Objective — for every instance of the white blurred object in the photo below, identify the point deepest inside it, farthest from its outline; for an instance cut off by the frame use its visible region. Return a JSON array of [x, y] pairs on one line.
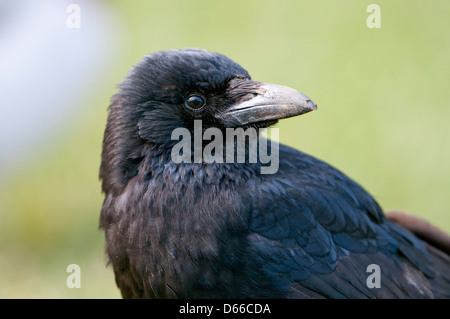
[[47, 69]]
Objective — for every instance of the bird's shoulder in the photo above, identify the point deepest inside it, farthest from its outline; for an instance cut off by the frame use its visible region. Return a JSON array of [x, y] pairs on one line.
[[309, 218]]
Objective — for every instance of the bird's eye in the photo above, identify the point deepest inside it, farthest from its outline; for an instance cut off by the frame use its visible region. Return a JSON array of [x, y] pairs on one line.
[[195, 102]]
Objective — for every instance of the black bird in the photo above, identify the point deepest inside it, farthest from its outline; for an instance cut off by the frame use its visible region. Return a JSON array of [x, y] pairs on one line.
[[226, 230]]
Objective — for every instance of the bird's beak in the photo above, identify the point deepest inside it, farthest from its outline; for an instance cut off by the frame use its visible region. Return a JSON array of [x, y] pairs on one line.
[[269, 102]]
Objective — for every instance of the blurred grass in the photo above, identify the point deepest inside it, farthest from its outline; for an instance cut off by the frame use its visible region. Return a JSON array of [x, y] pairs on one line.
[[382, 119]]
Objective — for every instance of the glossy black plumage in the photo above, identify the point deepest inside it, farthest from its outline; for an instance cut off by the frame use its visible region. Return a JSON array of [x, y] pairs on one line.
[[227, 231]]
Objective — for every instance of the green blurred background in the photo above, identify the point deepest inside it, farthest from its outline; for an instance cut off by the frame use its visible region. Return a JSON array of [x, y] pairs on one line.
[[383, 117]]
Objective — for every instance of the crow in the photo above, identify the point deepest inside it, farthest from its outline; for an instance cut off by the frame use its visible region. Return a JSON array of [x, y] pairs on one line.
[[226, 229]]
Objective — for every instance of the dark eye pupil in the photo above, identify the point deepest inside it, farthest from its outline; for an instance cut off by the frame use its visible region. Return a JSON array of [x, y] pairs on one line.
[[195, 102]]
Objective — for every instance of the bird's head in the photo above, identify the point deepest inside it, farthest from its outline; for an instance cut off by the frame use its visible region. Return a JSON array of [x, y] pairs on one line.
[[170, 89]]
